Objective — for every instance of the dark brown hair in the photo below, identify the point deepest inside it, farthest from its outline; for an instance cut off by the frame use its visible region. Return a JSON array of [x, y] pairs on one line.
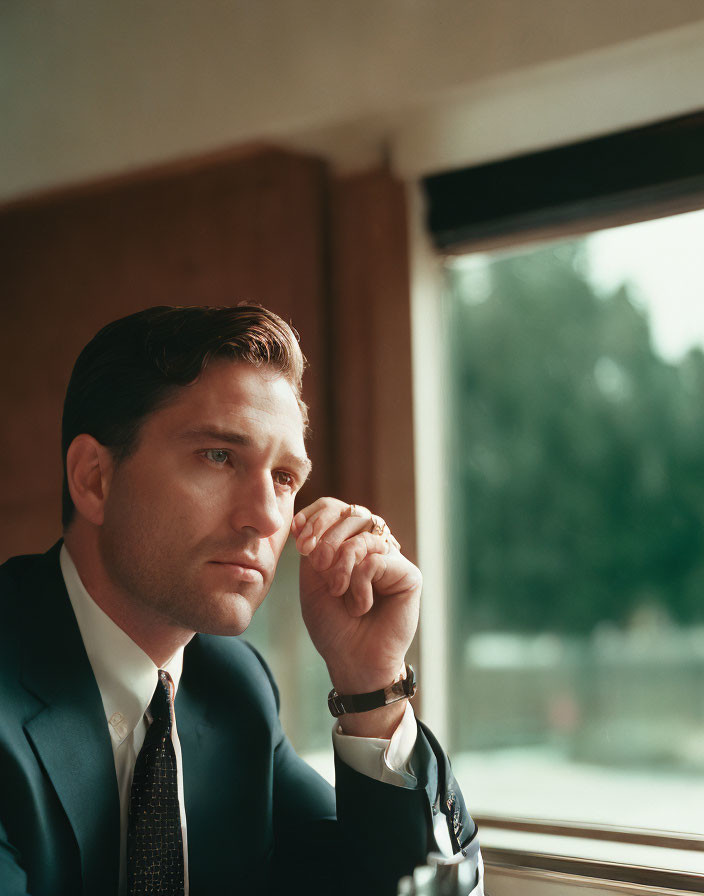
[[134, 365]]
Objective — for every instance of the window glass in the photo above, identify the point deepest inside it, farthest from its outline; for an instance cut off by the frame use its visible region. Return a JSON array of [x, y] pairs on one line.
[[278, 632], [576, 550]]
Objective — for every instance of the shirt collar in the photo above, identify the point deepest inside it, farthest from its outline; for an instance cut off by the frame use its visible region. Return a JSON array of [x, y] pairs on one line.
[[126, 676]]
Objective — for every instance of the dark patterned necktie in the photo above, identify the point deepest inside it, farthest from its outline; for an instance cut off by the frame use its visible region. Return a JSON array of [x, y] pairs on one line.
[[154, 840]]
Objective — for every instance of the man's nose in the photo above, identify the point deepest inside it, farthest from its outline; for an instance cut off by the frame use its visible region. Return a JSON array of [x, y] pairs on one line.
[[258, 508]]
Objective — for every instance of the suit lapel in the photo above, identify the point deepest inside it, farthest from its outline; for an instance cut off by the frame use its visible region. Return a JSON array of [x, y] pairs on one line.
[[202, 776], [226, 742], [69, 733]]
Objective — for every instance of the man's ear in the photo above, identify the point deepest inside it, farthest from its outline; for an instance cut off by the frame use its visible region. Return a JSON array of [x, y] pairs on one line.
[[89, 469]]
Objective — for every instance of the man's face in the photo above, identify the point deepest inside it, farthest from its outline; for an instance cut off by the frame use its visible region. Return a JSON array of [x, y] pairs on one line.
[[196, 518]]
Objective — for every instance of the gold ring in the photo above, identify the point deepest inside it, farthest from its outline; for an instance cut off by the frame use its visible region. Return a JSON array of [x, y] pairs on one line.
[[358, 510], [378, 525]]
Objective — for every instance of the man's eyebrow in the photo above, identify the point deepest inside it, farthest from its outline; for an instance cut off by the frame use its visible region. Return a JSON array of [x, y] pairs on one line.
[[304, 465], [217, 434], [301, 462]]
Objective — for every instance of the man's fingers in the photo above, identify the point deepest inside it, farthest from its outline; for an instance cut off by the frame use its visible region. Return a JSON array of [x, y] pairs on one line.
[[309, 523], [326, 528], [359, 601], [387, 574], [359, 598], [350, 554], [307, 513]]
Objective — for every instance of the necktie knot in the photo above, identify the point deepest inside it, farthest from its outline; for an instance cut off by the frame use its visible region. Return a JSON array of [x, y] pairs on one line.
[[160, 706]]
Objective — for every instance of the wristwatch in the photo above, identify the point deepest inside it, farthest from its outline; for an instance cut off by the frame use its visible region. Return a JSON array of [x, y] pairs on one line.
[[339, 704]]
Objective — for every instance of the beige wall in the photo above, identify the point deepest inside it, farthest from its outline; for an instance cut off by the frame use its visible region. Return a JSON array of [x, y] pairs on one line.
[[92, 88]]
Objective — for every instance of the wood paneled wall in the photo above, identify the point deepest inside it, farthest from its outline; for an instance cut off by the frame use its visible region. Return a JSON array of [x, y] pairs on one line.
[[253, 228], [373, 432], [267, 225]]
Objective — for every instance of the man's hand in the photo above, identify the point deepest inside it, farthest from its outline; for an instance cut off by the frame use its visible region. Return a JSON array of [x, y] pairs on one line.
[[360, 599]]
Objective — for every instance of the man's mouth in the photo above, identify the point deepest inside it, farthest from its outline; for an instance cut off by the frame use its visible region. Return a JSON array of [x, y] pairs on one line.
[[243, 570]]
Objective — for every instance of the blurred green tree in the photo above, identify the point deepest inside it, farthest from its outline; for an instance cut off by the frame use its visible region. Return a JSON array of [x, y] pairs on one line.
[[576, 452]]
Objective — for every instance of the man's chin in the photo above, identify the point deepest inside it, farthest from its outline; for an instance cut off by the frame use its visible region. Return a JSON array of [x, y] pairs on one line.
[[230, 615]]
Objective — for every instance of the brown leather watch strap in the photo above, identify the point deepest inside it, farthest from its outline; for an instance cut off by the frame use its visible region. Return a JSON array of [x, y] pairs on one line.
[[339, 704]]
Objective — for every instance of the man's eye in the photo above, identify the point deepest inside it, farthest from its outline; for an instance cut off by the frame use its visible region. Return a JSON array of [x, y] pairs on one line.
[[218, 455], [281, 477]]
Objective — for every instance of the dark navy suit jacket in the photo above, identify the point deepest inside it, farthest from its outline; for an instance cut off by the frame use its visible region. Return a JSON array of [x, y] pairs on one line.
[[260, 820]]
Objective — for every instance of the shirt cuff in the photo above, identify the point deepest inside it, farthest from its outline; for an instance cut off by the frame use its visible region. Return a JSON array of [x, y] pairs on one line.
[[386, 760], [470, 872]]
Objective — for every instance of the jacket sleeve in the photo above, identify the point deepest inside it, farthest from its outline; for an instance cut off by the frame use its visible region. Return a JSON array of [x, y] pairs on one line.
[[365, 835], [397, 826]]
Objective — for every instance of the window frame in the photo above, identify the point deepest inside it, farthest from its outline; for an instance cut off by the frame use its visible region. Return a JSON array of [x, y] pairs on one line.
[[634, 175]]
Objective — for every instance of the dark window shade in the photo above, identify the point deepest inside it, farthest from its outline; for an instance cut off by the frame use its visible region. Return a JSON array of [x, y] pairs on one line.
[[607, 176]]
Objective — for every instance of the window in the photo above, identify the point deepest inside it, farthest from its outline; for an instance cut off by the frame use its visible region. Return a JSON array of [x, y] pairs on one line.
[[574, 414], [277, 630], [577, 502]]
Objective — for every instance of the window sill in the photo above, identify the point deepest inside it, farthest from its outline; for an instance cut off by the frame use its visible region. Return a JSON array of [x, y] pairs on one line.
[[669, 862], [508, 875]]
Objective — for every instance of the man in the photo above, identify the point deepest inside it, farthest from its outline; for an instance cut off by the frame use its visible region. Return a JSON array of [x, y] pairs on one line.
[[139, 757]]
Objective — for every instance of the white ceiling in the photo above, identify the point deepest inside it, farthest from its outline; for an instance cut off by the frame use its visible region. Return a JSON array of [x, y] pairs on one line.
[[90, 87]]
